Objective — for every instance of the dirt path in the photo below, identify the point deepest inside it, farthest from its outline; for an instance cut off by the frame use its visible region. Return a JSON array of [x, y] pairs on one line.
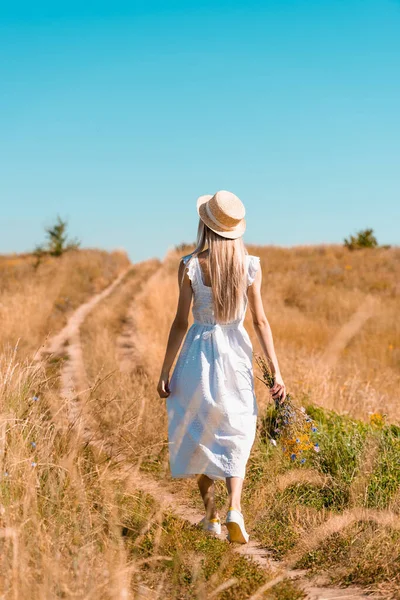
[[73, 386], [349, 330], [67, 343], [125, 344]]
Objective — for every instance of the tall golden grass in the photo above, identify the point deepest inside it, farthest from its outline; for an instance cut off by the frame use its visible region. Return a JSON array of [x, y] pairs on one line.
[[61, 508], [51, 528]]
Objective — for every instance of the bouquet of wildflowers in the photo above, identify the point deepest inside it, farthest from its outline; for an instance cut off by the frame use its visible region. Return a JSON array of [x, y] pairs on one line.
[[293, 427]]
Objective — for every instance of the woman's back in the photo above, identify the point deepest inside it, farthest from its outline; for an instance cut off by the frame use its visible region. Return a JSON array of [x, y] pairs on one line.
[[199, 274]]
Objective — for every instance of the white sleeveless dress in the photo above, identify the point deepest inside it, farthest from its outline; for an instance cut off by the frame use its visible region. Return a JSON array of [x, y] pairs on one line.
[[212, 409]]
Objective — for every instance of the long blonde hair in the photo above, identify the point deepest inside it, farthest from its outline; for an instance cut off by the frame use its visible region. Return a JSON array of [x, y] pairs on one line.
[[227, 267]]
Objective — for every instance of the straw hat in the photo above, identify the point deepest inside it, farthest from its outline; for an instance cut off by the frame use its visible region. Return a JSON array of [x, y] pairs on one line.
[[223, 213]]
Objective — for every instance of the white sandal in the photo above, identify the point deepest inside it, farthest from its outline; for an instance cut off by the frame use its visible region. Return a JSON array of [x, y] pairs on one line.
[[236, 529]]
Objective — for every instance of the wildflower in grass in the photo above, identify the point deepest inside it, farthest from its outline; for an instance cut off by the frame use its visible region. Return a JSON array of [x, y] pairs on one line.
[[316, 447], [35, 398], [5, 473], [377, 419], [303, 460], [33, 444], [34, 464], [293, 426], [273, 442]]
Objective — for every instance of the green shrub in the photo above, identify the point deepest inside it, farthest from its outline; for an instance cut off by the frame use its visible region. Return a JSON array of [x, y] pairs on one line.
[[363, 239], [57, 241]]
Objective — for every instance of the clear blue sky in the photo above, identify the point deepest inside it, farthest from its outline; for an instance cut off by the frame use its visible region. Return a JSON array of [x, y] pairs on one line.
[[117, 115]]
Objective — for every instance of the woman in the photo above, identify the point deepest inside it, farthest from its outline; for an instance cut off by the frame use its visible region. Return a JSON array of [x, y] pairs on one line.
[[211, 404]]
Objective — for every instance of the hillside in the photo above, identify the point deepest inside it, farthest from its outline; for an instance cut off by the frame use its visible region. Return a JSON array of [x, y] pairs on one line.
[[88, 508], [35, 300]]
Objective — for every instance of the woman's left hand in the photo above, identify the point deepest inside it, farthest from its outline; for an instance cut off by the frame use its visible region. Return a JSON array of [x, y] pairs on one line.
[[163, 386], [278, 390]]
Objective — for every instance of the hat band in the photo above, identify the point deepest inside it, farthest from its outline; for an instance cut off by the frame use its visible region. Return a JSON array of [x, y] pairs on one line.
[[215, 220]]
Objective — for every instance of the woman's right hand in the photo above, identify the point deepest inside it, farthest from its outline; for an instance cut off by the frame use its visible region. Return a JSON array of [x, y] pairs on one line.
[[163, 386]]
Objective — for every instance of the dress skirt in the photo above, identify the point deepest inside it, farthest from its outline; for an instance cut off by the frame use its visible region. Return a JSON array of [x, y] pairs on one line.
[[212, 408]]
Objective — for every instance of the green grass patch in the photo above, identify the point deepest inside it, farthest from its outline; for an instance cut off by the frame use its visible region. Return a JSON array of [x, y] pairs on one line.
[[344, 475], [193, 563]]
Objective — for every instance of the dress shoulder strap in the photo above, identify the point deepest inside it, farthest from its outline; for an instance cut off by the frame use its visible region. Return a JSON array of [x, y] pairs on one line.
[[190, 263], [253, 264]]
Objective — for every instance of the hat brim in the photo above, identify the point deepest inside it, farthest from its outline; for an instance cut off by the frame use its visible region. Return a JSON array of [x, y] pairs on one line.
[[237, 232]]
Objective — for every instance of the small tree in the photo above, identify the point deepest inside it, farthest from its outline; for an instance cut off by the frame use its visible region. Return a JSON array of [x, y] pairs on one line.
[[57, 241], [363, 239]]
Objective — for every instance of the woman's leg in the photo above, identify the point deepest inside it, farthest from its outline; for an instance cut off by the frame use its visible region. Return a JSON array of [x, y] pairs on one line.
[[234, 486], [206, 487]]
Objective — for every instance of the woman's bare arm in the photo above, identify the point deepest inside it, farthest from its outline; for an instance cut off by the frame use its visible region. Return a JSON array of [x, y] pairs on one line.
[[177, 331], [264, 334]]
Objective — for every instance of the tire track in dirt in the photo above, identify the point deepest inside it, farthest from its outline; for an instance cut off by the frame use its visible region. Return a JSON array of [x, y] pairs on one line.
[[73, 387], [349, 330], [127, 354], [67, 343]]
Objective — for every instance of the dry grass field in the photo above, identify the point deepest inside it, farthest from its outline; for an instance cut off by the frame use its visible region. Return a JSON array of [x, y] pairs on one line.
[[76, 519], [334, 316], [36, 301]]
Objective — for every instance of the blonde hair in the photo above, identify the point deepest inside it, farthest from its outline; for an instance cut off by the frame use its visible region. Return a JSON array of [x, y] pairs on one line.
[[227, 268]]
